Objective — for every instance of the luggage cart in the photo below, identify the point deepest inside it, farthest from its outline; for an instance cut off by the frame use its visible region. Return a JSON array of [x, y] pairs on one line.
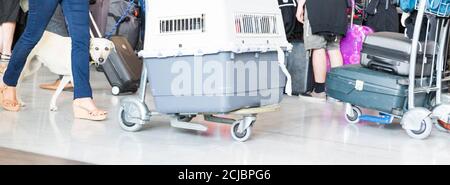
[[194, 34], [418, 121], [134, 114]]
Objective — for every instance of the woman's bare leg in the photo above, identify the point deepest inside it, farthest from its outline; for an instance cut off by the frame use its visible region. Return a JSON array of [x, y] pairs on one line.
[[8, 29], [1, 38]]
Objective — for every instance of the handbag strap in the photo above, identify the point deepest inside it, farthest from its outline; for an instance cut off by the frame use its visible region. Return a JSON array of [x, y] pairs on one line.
[[353, 13]]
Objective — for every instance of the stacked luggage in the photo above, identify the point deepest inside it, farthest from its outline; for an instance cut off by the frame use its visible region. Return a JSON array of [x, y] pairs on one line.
[[205, 60], [399, 77]]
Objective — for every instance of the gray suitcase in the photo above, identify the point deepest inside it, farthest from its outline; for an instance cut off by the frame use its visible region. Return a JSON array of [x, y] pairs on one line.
[[372, 89], [300, 68], [388, 51], [236, 91]]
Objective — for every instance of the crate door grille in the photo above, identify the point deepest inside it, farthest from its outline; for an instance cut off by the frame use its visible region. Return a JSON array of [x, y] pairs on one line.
[[253, 24], [186, 24]]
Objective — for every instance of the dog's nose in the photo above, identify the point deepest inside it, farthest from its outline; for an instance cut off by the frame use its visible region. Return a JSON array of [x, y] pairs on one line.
[[101, 60]]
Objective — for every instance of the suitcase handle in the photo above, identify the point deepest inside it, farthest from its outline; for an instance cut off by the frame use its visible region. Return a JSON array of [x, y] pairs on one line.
[[381, 67]]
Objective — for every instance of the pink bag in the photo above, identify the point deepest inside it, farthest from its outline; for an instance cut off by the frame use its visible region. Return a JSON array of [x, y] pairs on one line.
[[351, 44]]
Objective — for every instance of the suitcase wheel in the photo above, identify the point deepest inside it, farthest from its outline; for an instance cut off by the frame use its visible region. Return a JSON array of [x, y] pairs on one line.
[[115, 90], [353, 118]]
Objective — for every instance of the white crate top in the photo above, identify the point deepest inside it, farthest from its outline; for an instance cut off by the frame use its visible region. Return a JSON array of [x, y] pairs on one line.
[[198, 27]]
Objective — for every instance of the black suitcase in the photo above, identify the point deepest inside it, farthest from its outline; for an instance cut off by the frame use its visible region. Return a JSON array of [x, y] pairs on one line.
[[300, 68], [123, 67], [389, 51]]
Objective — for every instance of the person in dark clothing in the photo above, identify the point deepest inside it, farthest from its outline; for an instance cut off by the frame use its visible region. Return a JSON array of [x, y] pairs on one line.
[[382, 15], [325, 22]]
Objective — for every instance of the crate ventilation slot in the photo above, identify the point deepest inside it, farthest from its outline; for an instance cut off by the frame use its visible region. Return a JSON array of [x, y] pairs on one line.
[[252, 24], [185, 24]]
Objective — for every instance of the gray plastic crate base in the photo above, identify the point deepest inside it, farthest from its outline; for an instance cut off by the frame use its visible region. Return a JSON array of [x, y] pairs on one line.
[[262, 69], [379, 90]]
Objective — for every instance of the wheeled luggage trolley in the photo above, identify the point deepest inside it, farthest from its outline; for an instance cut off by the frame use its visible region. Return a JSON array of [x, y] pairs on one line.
[[420, 94], [209, 57]]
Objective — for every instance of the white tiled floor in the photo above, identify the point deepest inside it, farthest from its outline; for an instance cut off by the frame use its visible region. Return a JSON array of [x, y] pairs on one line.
[[301, 133]]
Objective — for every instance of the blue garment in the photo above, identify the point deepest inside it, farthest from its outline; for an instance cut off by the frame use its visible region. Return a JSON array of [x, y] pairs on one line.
[[40, 13]]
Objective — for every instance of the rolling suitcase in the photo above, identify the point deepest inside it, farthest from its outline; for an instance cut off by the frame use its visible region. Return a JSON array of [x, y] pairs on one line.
[[372, 89], [123, 67], [388, 51], [300, 68]]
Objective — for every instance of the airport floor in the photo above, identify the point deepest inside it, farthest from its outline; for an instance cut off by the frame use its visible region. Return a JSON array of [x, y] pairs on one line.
[[300, 133]]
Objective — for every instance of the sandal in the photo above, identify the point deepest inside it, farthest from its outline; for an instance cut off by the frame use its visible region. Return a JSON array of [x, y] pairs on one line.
[[9, 105], [93, 115], [5, 58]]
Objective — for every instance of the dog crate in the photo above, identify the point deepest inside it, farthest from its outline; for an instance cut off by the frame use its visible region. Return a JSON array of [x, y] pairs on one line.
[[240, 39]]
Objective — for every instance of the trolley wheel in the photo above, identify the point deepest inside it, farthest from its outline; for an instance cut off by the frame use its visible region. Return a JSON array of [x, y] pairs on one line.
[[115, 90], [424, 131], [353, 119], [240, 136], [126, 123]]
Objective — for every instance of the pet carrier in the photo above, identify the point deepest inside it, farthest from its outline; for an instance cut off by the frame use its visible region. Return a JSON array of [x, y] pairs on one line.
[[206, 57]]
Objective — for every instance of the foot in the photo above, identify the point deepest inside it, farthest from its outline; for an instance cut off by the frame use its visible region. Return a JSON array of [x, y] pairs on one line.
[[315, 97], [53, 86], [5, 57], [85, 108], [8, 98]]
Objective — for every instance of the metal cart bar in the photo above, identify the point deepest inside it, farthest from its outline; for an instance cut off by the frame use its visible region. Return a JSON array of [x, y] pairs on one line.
[[415, 45]]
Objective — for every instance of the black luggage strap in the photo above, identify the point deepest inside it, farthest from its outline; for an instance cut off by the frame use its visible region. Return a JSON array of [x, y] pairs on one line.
[[119, 21]]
